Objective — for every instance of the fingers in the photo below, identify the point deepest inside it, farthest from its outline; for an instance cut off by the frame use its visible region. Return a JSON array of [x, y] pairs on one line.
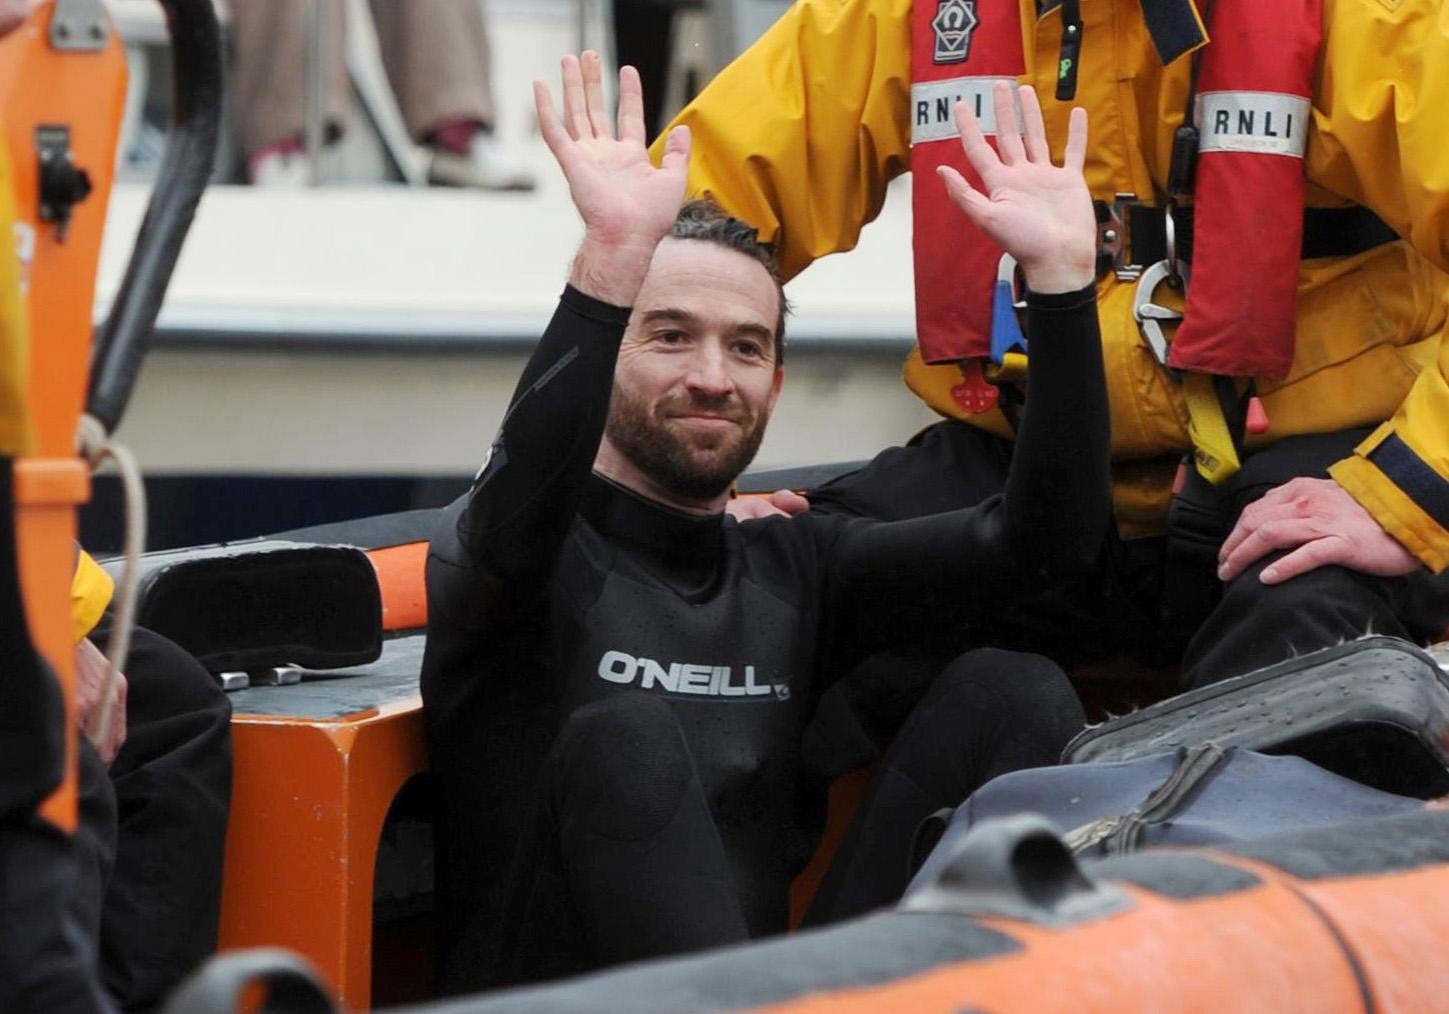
[[1309, 556], [752, 508], [1008, 139], [789, 502], [1240, 531], [631, 106], [1249, 519], [575, 105], [1075, 157], [973, 141], [592, 67], [1034, 138], [676, 149], [118, 721], [549, 126], [1286, 533], [963, 194], [1286, 501]]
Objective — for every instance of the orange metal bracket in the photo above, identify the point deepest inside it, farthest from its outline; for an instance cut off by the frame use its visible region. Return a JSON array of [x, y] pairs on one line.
[[84, 91]]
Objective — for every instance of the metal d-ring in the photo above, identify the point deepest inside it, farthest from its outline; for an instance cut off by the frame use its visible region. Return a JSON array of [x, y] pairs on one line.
[[1169, 229], [1150, 315]]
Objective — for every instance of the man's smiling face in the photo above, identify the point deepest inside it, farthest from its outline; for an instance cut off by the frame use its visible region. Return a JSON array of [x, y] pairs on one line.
[[697, 375]]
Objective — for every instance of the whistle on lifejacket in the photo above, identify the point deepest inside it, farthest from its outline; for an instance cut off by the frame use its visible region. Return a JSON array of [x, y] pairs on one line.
[[1006, 335], [975, 394]]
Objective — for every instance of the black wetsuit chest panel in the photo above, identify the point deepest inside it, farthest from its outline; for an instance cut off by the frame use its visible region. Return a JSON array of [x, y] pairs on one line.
[[727, 644]]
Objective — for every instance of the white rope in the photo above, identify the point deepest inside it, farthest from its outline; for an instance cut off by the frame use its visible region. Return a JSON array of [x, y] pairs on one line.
[[95, 446]]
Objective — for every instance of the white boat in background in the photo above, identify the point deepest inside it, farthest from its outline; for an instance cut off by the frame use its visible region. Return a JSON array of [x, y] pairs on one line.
[[368, 331]]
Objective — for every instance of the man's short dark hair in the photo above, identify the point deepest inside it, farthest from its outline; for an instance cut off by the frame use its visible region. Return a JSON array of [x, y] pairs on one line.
[[705, 220]]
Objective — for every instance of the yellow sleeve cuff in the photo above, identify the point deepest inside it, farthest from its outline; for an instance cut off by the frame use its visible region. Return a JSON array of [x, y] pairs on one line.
[[1392, 508], [91, 590]]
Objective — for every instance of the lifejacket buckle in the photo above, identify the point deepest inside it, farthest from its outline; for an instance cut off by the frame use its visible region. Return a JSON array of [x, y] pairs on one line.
[[1113, 239], [1150, 315]]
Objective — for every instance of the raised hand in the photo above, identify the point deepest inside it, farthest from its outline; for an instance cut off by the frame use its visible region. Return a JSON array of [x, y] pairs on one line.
[[1039, 213], [626, 203]]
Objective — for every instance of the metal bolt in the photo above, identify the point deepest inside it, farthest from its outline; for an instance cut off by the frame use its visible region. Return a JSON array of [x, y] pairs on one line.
[[62, 30], [1110, 235], [97, 33]]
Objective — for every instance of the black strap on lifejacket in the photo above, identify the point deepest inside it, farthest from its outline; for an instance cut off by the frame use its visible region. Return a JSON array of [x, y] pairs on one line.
[[1327, 232]]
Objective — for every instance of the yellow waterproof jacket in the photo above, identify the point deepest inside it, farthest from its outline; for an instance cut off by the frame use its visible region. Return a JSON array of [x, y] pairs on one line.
[[800, 135], [91, 591]]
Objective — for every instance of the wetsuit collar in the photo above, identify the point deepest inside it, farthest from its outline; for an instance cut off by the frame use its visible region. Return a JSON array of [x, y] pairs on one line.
[[686, 546]]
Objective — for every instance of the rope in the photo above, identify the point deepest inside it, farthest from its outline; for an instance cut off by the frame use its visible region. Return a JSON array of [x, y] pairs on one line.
[[95, 446]]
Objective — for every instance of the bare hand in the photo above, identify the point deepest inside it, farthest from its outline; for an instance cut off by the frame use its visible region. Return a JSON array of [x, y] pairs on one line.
[[1325, 524], [91, 669], [1039, 213], [12, 15], [623, 199], [781, 503]]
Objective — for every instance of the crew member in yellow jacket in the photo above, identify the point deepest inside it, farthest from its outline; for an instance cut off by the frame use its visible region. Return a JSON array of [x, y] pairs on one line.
[[155, 793], [1337, 521]]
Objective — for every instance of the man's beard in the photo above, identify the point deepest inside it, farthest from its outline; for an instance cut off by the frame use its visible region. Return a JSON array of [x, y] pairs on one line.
[[693, 466]]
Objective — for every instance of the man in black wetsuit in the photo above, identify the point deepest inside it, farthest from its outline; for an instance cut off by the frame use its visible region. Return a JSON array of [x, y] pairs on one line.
[[618, 677]]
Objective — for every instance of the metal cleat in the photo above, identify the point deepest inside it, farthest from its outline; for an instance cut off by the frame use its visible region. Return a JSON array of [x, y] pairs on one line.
[[1151, 316], [234, 681], [277, 676]]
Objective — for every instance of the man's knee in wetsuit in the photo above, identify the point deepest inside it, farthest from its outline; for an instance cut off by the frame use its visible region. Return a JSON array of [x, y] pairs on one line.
[[620, 768], [1020, 709], [619, 806], [987, 713], [945, 466]]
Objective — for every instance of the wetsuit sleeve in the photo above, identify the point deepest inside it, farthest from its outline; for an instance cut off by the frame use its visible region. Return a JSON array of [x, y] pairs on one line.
[[800, 134], [494, 548], [1051, 520]]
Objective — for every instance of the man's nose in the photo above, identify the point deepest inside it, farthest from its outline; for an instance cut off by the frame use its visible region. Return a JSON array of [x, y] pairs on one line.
[[709, 372]]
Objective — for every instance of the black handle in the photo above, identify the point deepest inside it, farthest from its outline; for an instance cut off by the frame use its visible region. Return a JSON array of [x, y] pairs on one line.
[[196, 67], [1017, 867]]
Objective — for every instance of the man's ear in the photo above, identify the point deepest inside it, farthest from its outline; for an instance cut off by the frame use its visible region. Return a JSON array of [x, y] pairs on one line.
[[775, 386]]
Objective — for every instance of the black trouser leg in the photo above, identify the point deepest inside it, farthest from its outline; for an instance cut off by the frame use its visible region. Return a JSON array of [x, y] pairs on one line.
[[47, 953], [94, 839], [1257, 625], [988, 713], [622, 859], [172, 782]]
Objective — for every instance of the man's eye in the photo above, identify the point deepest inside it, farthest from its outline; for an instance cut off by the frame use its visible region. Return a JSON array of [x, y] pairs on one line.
[[669, 337], [749, 349]]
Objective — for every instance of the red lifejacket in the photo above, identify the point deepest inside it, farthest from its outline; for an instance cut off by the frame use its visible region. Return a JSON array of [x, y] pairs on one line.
[[1253, 108], [959, 49]]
